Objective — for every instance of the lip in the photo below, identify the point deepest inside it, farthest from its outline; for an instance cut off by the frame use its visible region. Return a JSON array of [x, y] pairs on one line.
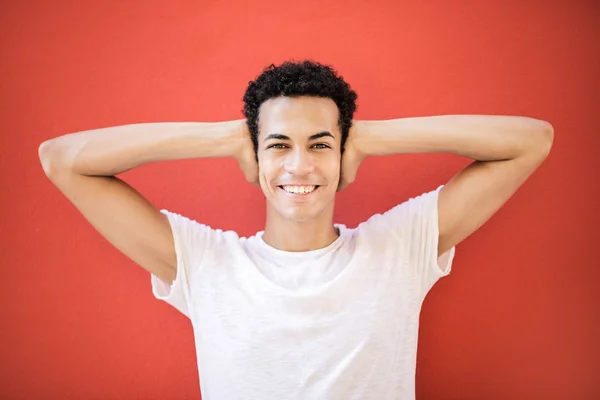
[[298, 196]]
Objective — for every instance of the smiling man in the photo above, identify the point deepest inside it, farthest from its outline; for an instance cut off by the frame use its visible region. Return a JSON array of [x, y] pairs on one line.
[[299, 170], [307, 308]]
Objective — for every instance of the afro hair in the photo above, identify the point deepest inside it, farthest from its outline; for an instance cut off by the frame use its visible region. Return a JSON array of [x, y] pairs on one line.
[[294, 79]]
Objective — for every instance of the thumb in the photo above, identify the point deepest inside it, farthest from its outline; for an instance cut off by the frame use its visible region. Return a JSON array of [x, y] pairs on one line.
[[343, 181], [250, 170], [349, 169]]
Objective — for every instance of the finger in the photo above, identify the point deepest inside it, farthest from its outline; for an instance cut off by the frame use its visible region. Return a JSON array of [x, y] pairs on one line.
[[342, 185], [348, 176]]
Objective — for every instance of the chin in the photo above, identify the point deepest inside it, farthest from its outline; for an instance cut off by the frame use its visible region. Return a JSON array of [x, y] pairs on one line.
[[302, 214], [298, 216]]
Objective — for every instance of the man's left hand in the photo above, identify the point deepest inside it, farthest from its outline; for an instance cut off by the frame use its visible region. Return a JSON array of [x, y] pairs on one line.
[[352, 156]]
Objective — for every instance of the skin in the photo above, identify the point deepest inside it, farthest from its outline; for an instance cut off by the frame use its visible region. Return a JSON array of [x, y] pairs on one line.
[[506, 150], [299, 222], [84, 166]]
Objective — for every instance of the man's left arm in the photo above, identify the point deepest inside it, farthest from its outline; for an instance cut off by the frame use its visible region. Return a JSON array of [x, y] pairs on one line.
[[506, 150]]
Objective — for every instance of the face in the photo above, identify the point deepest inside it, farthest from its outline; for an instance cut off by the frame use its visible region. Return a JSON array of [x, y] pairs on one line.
[[299, 156]]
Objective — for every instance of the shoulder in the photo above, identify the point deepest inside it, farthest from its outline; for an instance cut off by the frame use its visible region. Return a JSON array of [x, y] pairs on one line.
[[191, 233], [406, 212], [421, 203]]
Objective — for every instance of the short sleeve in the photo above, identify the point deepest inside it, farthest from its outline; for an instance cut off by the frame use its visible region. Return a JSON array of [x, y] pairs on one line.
[[416, 224], [192, 240]]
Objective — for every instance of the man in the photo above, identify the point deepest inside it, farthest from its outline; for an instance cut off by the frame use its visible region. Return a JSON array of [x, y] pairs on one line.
[[307, 308]]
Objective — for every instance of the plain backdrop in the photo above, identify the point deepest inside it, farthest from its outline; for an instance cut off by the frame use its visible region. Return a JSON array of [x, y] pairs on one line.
[[518, 318]]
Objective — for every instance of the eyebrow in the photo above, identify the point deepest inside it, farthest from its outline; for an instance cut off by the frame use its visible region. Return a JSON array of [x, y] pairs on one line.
[[284, 137]]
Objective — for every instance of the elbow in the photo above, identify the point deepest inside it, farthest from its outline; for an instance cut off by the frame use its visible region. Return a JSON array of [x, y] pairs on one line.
[[540, 138], [52, 157], [44, 154], [547, 137]]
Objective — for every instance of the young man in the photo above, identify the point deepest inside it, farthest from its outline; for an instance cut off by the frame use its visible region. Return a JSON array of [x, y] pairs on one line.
[[307, 308]]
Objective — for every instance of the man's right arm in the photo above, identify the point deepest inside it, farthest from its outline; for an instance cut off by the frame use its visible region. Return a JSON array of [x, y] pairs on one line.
[[83, 166]]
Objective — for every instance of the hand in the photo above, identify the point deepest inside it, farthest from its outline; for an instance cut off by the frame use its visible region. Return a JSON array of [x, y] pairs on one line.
[[351, 158], [246, 155]]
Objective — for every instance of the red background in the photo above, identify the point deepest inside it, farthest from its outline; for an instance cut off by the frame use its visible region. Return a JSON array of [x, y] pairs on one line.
[[518, 318]]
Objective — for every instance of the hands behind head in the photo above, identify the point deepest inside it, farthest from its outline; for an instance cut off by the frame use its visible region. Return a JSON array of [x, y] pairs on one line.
[[246, 156]]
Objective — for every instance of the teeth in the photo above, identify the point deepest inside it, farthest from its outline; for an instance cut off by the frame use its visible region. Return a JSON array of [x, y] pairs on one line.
[[299, 189]]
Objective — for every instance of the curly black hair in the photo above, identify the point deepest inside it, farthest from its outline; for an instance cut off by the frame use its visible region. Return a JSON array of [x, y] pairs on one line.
[[294, 79]]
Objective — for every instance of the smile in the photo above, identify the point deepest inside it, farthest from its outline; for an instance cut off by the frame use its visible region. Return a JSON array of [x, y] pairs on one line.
[[299, 189]]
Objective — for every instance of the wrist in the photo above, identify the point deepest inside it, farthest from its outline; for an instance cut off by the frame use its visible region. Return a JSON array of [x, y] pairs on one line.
[[240, 137], [358, 140]]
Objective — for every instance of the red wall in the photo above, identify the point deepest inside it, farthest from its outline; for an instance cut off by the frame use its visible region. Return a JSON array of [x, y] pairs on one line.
[[517, 319]]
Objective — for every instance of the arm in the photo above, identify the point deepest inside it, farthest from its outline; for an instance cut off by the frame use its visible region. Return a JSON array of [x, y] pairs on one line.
[[506, 150], [82, 166]]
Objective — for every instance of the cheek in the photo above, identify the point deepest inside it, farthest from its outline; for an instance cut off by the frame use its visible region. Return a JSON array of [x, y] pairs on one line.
[[263, 178], [333, 168], [266, 173]]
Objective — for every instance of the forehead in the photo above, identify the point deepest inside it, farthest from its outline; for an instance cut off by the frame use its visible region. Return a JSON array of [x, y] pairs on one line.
[[290, 115]]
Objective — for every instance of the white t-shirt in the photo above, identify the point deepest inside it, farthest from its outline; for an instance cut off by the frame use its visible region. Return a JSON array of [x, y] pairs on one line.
[[339, 322]]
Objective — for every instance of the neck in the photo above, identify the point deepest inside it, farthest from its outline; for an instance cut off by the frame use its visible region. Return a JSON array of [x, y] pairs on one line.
[[296, 236]]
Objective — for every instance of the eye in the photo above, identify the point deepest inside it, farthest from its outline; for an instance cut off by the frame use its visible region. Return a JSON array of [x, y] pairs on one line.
[[322, 146], [277, 146]]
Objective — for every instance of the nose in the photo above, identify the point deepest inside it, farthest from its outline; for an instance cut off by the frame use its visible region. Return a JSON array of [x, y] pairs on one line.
[[299, 162]]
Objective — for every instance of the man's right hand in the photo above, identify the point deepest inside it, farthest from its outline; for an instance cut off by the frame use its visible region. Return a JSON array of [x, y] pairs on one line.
[[246, 156]]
